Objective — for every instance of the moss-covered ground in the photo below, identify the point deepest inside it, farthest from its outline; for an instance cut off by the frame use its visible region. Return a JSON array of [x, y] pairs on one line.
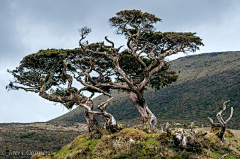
[[135, 143]]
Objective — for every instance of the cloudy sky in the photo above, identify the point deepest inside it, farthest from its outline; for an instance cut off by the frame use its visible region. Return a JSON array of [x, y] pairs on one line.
[[30, 25]]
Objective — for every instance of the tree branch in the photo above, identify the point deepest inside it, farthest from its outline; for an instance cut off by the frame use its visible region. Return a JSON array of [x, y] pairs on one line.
[[211, 121], [123, 86], [109, 41]]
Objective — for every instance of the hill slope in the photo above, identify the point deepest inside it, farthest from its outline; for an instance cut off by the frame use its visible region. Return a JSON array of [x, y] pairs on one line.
[[204, 82]]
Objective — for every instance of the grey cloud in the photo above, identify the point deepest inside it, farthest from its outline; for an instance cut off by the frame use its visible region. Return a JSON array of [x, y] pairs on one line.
[[9, 42]]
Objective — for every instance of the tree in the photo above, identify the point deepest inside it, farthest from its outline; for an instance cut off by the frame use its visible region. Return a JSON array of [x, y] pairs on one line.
[[143, 63], [100, 68], [221, 126], [50, 74]]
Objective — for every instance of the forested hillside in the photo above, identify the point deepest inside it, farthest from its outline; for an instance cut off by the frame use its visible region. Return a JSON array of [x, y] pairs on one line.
[[205, 81]]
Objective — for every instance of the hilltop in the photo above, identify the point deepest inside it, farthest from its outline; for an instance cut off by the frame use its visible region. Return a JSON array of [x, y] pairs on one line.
[[136, 143], [205, 81]]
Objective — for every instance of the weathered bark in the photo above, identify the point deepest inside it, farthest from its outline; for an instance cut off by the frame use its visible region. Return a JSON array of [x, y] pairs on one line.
[[168, 129], [214, 126], [110, 124], [91, 121], [191, 126], [143, 110], [139, 105], [153, 119], [222, 123], [223, 157], [161, 128], [185, 140]]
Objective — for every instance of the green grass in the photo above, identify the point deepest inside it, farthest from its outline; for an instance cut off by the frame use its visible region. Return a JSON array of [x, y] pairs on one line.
[[219, 155]]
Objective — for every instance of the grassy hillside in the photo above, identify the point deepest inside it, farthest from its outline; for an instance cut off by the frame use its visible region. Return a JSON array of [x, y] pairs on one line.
[[204, 82]]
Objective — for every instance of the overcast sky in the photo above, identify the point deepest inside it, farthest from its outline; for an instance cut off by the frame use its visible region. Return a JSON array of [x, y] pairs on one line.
[[30, 25]]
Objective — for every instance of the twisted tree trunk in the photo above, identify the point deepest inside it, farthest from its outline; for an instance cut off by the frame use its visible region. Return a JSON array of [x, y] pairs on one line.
[[110, 124], [91, 121], [142, 108]]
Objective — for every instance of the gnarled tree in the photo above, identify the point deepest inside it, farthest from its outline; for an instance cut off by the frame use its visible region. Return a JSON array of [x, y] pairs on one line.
[[143, 63], [221, 126], [50, 73], [100, 68]]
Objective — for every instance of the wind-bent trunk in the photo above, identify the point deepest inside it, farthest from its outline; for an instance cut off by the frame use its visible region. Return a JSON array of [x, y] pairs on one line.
[[110, 124], [91, 121], [143, 110], [139, 105], [153, 119]]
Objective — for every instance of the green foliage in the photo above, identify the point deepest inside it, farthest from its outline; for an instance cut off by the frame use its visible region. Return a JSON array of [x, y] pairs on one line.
[[27, 135], [136, 18], [36, 69], [24, 136], [168, 39]]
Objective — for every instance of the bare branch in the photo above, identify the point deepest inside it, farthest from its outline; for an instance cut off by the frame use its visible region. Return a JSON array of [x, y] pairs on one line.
[[191, 126], [222, 122], [84, 31], [122, 72], [211, 121], [103, 105], [119, 47], [109, 41], [224, 107], [219, 115], [230, 115], [101, 53], [161, 128], [122, 86], [93, 87], [168, 129], [223, 157]]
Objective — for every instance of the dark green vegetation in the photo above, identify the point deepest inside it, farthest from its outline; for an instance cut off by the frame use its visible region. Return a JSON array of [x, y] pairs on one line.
[[205, 81], [19, 140], [135, 143]]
